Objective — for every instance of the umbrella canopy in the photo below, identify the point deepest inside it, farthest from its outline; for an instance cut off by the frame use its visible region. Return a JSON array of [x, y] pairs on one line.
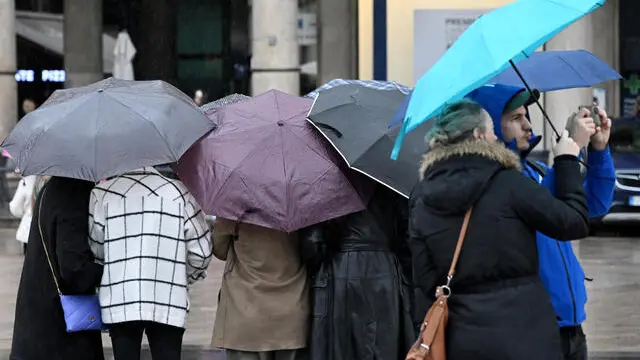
[[375, 84], [547, 71], [354, 119], [558, 70], [105, 129], [227, 100], [268, 166], [490, 45]]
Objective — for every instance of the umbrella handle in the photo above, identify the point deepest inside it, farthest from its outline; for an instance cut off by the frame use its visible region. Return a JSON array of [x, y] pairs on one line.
[[329, 127]]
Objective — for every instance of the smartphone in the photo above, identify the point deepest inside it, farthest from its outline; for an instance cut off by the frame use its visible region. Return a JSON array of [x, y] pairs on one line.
[[595, 113]]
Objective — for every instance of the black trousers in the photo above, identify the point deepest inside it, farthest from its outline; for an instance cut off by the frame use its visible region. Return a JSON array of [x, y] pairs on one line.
[[165, 342], [574, 343]]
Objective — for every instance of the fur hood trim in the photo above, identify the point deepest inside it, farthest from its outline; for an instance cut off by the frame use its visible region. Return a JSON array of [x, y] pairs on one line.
[[494, 151]]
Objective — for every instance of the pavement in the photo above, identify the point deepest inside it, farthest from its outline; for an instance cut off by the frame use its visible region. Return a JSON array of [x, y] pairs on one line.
[[613, 325]]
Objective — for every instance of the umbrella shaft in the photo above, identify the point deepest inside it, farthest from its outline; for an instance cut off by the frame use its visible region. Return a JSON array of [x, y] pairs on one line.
[[544, 113]]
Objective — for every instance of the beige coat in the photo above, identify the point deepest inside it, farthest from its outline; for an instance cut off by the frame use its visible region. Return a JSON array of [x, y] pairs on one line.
[[264, 298]]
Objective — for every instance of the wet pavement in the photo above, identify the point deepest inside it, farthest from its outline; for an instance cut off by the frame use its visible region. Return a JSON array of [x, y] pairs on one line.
[[613, 325]]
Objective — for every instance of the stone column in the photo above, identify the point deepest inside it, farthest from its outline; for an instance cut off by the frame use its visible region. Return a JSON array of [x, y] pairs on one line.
[[82, 42], [336, 40], [8, 86], [275, 60], [606, 46]]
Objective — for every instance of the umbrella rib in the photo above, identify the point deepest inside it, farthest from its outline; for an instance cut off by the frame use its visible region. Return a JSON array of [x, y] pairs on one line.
[[284, 171], [44, 130], [232, 169], [573, 68], [330, 141], [559, 3], [330, 161], [152, 124]]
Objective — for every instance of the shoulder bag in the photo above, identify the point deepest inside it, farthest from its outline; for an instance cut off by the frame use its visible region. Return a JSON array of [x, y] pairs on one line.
[[431, 344], [81, 312]]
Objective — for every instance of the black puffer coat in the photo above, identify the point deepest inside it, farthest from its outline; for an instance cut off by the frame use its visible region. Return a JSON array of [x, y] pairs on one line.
[[361, 294], [499, 308]]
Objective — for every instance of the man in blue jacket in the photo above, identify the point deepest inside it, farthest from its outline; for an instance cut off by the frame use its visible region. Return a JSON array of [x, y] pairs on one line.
[[560, 270]]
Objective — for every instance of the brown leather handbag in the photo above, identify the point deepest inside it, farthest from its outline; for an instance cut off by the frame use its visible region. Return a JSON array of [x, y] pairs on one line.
[[431, 344]]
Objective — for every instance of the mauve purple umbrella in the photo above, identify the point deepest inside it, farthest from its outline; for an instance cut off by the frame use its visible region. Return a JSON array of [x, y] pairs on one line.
[[268, 166]]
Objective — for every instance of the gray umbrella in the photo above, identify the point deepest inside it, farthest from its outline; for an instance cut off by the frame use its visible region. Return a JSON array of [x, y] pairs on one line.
[[105, 129], [227, 100]]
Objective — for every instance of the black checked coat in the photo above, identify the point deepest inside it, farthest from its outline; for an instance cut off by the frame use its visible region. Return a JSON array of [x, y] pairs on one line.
[[39, 330]]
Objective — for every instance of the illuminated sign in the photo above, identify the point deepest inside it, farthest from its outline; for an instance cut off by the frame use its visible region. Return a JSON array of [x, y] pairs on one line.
[[57, 76], [24, 76], [53, 75]]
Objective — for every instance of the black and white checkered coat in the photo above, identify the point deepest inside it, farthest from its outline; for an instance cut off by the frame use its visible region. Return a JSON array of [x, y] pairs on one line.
[[154, 241]]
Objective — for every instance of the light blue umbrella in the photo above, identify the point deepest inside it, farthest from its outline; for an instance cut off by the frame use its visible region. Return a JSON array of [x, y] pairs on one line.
[[492, 43]]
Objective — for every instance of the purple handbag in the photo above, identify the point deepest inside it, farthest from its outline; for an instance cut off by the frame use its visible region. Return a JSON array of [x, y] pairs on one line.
[[81, 312]]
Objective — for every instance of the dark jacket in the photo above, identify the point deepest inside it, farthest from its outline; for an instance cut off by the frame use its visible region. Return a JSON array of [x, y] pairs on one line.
[[361, 283], [499, 308], [39, 330]]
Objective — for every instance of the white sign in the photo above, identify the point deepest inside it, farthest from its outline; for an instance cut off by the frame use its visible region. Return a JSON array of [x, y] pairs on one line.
[[307, 31], [53, 76], [454, 26], [434, 33], [24, 75]]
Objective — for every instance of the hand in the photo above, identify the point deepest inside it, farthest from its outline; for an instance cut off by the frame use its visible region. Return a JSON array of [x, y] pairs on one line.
[[566, 145], [600, 139], [581, 127]]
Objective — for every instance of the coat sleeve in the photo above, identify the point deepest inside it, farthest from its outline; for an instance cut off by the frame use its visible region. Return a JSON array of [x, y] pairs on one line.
[[96, 227], [198, 238], [222, 238], [312, 247], [599, 183], [563, 217], [79, 271], [403, 250], [23, 197], [425, 274]]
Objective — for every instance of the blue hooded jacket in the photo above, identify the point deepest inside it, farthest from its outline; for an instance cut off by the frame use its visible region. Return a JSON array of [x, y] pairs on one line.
[[559, 270]]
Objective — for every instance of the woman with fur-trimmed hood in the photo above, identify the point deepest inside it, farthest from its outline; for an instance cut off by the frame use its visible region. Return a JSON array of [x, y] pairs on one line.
[[499, 308]]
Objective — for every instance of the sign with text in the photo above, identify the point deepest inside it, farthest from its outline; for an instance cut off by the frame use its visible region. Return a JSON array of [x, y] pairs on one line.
[[435, 31]]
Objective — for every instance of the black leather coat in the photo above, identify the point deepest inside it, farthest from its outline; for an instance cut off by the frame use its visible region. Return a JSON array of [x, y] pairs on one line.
[[361, 294]]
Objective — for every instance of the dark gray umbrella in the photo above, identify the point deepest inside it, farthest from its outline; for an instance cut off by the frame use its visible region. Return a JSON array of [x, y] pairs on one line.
[[105, 129], [354, 119]]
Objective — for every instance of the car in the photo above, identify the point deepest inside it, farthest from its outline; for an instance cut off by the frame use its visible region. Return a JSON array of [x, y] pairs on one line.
[[624, 144]]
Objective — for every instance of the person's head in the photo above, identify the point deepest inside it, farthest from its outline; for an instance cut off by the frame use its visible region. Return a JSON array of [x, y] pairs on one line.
[[507, 106], [198, 97], [514, 122], [460, 121], [28, 105]]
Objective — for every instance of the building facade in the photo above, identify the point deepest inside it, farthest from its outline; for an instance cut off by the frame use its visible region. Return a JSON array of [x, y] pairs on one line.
[[399, 40]]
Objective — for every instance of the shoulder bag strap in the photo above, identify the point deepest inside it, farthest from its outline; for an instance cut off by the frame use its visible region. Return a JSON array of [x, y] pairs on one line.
[[44, 246], [456, 254]]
